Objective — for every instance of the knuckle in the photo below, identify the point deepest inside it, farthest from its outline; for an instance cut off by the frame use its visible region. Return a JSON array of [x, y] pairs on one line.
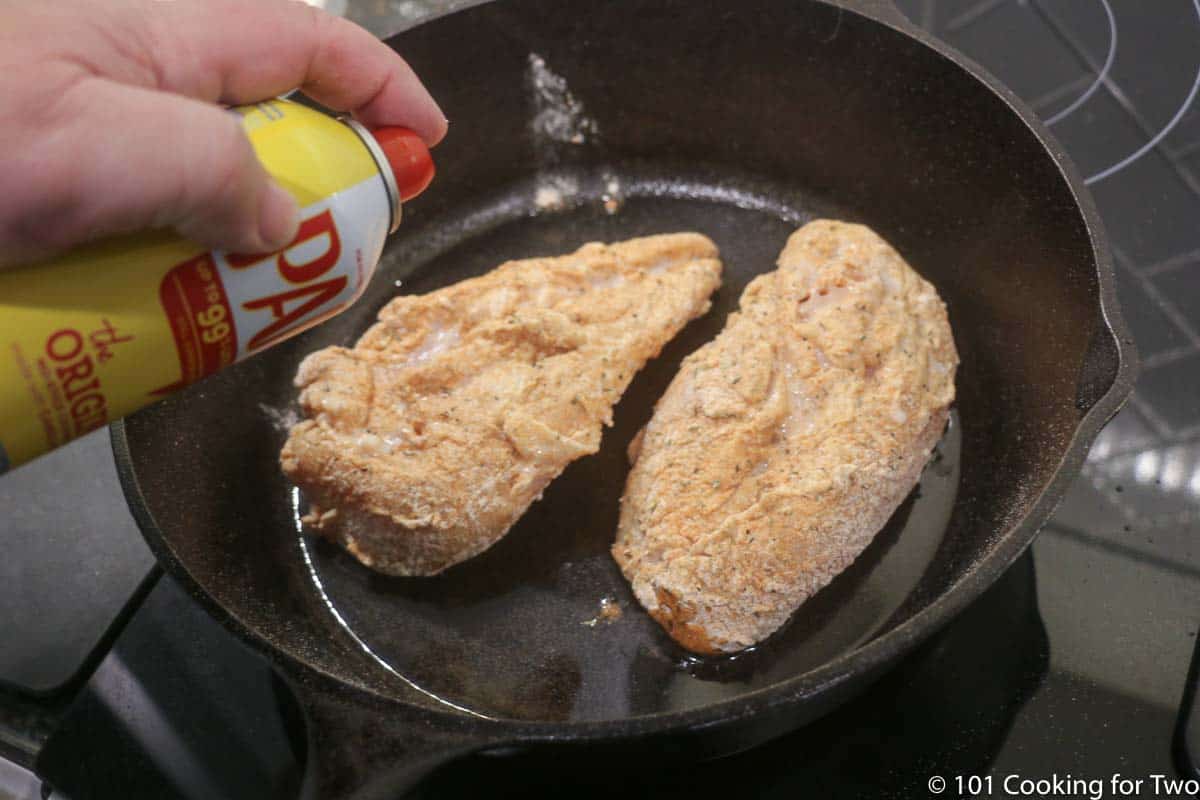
[[50, 213]]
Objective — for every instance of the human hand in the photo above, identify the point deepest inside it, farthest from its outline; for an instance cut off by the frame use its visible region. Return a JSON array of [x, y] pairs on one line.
[[109, 120]]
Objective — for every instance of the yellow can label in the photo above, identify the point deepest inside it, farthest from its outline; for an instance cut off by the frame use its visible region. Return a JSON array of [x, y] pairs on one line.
[[93, 336]]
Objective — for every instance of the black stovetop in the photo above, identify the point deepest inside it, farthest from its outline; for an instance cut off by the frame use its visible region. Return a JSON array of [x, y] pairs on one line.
[[1074, 663]]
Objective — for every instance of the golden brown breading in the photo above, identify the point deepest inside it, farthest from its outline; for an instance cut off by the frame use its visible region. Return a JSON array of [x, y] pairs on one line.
[[783, 446], [431, 437]]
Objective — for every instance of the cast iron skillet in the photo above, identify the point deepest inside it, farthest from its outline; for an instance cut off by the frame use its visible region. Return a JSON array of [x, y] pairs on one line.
[[741, 120]]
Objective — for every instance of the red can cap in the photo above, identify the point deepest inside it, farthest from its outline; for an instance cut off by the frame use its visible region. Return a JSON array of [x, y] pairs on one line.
[[411, 163]]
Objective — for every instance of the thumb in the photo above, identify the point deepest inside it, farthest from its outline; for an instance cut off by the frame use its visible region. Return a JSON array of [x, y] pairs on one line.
[[236, 206], [149, 159]]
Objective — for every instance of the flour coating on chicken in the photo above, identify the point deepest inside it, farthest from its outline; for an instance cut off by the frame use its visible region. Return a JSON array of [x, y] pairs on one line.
[[784, 445], [430, 437]]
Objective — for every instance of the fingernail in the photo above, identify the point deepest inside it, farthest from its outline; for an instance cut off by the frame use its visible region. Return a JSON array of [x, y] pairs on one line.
[[278, 217]]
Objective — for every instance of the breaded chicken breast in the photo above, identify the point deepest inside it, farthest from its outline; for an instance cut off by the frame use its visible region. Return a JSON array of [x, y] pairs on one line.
[[782, 447], [429, 439]]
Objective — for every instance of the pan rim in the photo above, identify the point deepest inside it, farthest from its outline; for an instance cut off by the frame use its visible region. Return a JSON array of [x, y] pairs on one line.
[[869, 657]]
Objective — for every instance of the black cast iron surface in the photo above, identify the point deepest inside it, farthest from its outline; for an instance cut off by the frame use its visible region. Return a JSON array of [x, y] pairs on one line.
[[1097, 683], [822, 112]]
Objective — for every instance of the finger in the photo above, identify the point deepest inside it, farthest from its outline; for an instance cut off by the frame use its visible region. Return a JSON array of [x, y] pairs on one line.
[[235, 51], [176, 162]]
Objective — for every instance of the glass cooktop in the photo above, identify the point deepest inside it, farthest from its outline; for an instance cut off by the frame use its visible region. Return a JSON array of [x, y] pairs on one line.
[[1074, 663]]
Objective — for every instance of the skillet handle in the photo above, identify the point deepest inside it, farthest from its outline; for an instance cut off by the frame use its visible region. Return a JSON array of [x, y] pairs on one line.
[[1186, 745], [362, 747], [1101, 368]]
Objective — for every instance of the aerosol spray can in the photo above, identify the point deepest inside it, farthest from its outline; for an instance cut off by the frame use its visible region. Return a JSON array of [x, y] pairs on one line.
[[93, 336]]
